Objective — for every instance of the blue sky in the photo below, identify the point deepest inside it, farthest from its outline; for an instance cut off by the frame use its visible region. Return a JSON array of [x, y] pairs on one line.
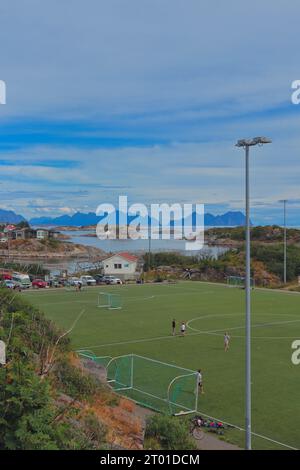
[[146, 99]]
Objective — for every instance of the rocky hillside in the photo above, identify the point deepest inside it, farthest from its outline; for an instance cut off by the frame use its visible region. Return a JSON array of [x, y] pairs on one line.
[[55, 249], [235, 236], [49, 398]]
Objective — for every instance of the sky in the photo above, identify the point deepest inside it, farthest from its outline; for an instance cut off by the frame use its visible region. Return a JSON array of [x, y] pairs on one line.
[[147, 98]]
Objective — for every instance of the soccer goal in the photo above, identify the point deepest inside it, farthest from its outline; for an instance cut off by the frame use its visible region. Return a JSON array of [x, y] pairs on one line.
[[238, 281], [110, 301], [92, 356], [154, 384]]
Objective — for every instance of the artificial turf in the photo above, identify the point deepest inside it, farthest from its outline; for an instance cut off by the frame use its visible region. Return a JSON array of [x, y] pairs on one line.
[[143, 326]]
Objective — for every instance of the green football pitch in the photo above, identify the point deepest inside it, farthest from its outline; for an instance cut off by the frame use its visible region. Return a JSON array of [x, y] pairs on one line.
[[143, 327]]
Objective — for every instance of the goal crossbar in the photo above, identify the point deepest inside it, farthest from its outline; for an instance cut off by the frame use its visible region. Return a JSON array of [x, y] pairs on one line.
[[109, 301], [164, 387]]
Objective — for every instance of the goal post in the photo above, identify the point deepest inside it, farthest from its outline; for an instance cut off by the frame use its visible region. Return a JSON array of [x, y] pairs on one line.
[[92, 356], [110, 301], [154, 384], [239, 281]]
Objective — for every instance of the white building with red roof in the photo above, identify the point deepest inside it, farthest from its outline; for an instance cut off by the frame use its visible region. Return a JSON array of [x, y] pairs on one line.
[[122, 265]]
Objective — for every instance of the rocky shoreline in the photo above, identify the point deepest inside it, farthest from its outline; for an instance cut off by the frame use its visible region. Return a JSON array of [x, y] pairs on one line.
[[45, 250]]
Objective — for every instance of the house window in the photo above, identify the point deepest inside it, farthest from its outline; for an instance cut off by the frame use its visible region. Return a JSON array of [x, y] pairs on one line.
[[126, 265], [117, 266]]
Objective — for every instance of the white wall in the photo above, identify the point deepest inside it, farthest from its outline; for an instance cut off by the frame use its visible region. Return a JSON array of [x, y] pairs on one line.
[[128, 268]]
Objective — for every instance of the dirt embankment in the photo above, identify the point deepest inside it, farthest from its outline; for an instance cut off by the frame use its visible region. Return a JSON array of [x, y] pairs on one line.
[[125, 420], [47, 249]]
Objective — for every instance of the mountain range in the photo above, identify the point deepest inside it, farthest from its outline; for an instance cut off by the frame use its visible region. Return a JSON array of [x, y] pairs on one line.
[[79, 219], [231, 218], [10, 217]]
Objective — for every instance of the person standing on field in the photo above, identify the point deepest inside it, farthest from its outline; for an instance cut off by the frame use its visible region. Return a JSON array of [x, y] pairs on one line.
[[226, 341], [200, 381], [182, 328], [174, 327]]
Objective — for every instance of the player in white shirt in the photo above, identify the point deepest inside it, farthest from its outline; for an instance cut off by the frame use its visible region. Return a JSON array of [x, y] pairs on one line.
[[226, 341], [200, 381], [182, 328]]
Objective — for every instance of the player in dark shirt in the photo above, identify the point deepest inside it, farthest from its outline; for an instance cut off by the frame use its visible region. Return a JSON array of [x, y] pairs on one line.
[[174, 327]]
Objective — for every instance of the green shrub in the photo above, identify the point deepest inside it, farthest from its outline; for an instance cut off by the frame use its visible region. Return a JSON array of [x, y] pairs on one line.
[[74, 382], [169, 433]]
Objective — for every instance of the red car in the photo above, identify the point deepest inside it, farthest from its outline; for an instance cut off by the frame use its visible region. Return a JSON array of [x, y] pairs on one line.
[[6, 276], [39, 284]]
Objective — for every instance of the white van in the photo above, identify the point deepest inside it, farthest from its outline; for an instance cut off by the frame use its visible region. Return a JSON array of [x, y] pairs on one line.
[[22, 279]]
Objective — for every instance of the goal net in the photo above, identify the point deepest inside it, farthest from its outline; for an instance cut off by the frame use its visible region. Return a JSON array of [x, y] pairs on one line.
[[154, 384], [90, 355], [110, 301], [238, 281]]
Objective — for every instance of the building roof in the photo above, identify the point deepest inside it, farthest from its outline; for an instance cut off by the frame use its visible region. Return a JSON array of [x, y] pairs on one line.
[[9, 227], [23, 229], [127, 256]]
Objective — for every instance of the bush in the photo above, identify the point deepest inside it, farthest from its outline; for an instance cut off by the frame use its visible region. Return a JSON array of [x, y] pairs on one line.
[[30, 419], [74, 382], [168, 433]]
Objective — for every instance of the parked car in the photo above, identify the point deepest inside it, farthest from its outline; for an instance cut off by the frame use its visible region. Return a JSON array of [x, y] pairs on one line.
[[62, 281], [99, 278], [111, 280], [88, 280], [11, 284], [53, 282], [39, 284], [22, 279], [74, 281], [7, 276]]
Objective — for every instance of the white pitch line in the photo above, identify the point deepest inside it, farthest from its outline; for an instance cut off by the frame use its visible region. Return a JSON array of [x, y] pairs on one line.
[[142, 340], [125, 299], [253, 433], [197, 333], [258, 325], [67, 302]]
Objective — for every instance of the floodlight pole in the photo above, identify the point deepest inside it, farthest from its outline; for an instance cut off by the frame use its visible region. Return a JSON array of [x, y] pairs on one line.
[[248, 305], [149, 253], [284, 241], [246, 144]]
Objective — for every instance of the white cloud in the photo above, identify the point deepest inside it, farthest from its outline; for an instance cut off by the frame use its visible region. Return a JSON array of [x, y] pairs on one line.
[[78, 59], [184, 73], [67, 210]]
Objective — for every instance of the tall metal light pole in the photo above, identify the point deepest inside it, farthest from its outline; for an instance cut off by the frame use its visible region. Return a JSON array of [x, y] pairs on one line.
[[284, 240], [149, 253], [149, 240], [246, 144]]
